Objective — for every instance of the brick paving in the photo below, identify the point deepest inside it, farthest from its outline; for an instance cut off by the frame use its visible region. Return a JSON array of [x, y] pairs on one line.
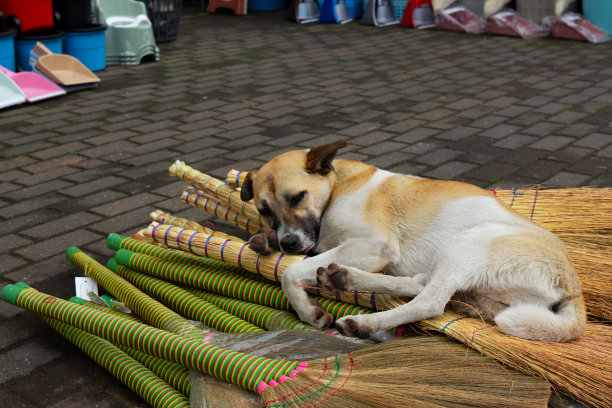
[[232, 92]]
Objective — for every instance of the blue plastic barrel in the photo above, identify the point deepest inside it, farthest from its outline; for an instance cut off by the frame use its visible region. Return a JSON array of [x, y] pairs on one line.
[[87, 44], [599, 12], [266, 5], [7, 49], [26, 43]]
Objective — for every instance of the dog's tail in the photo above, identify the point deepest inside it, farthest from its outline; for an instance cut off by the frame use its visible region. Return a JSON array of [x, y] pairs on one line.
[[562, 321]]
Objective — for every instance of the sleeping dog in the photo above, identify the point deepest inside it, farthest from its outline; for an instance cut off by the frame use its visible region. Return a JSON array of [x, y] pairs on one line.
[[434, 240]]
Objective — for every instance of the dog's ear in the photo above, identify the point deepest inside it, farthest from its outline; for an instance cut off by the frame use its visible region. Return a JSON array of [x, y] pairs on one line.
[[246, 191], [319, 159]]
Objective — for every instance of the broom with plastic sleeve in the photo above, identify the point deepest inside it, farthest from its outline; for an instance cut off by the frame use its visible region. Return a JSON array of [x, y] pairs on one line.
[[373, 376]]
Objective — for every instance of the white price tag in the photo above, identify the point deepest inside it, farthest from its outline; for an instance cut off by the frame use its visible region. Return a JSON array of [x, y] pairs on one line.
[[84, 285]]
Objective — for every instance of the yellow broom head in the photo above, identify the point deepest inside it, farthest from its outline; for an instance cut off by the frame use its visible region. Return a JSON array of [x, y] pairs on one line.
[[420, 371]]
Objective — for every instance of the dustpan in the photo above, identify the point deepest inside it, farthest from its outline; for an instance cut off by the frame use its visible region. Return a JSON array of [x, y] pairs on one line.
[[460, 19], [65, 70], [573, 26], [379, 13], [418, 14], [33, 85], [509, 22], [335, 11], [10, 94]]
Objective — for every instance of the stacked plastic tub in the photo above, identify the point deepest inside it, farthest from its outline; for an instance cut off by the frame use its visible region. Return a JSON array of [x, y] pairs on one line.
[[83, 39], [33, 21], [7, 46]]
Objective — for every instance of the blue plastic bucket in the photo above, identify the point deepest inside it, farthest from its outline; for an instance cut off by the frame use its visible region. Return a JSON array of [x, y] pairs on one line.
[[7, 49], [599, 12], [266, 5], [26, 43], [87, 44]]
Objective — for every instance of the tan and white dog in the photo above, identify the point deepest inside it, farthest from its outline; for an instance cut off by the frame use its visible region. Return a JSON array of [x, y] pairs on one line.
[[435, 240]]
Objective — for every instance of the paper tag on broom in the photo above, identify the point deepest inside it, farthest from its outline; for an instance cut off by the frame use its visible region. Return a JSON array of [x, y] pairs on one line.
[[84, 285]]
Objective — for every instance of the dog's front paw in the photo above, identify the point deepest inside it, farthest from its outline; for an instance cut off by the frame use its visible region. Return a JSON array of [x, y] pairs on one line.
[[320, 318], [265, 241], [350, 326], [333, 277]]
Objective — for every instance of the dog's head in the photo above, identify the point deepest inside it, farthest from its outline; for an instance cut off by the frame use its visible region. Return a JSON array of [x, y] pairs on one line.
[[291, 193]]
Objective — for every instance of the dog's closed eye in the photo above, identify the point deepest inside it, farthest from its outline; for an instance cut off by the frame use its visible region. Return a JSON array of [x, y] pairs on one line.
[[295, 200], [265, 210]]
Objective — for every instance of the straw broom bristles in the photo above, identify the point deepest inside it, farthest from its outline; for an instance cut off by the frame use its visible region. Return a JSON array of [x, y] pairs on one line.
[[581, 368], [429, 373], [580, 209]]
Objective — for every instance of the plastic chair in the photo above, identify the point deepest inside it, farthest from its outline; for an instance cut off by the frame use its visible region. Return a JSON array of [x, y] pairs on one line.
[[129, 36]]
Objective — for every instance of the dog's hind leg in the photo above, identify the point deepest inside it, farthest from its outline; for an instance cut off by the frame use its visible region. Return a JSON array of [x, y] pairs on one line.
[[337, 277]]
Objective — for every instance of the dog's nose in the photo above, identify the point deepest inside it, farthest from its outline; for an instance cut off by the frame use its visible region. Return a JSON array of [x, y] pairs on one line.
[[290, 243]]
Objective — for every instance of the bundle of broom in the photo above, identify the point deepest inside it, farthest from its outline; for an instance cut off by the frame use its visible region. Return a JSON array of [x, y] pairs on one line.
[[439, 373]]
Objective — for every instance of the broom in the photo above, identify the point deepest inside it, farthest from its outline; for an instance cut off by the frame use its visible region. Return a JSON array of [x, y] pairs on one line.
[[173, 374], [375, 376], [215, 188], [138, 378], [226, 284], [581, 368], [146, 308], [185, 303], [198, 199]]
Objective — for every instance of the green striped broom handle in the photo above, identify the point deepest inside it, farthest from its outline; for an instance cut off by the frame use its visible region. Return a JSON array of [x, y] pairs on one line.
[[249, 372], [174, 374], [150, 310], [138, 378], [116, 242], [225, 284], [262, 316], [184, 302], [81, 301], [210, 279]]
